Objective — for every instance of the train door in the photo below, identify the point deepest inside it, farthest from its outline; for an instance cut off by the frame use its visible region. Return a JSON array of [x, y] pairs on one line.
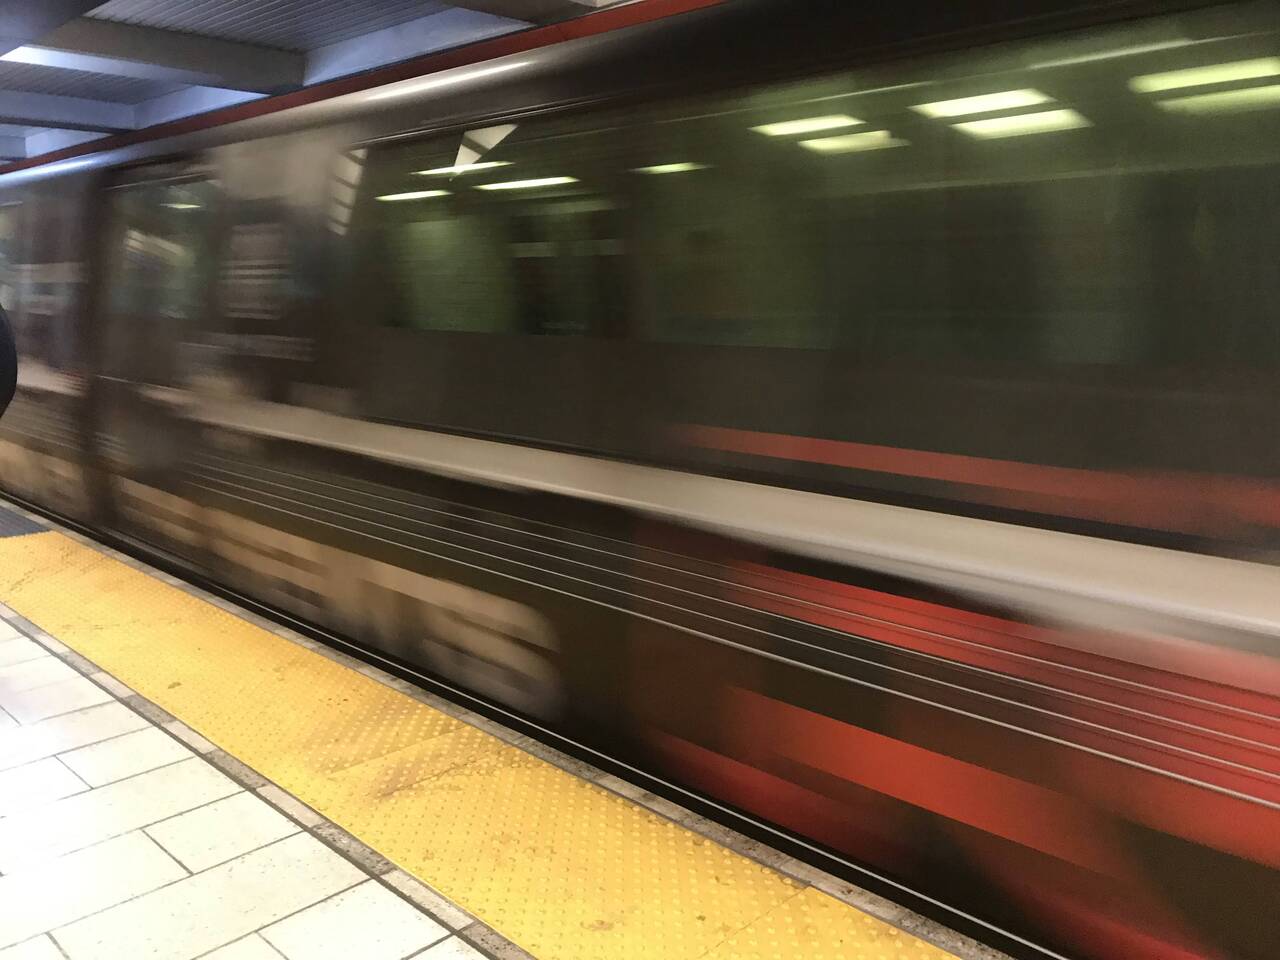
[[43, 231], [159, 281]]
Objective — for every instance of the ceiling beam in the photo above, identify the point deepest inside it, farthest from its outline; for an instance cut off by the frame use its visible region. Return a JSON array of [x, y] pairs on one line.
[[22, 21], [65, 113], [46, 141], [437, 30], [13, 147], [125, 50]]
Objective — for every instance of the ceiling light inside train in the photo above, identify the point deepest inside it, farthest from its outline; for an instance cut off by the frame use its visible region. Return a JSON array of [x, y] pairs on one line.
[[684, 166], [462, 168], [787, 128], [854, 142], [413, 195], [1225, 101], [527, 184], [409, 88], [1202, 76], [1045, 121], [986, 103]]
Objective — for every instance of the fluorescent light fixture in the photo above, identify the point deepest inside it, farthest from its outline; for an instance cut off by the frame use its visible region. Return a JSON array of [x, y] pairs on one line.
[[1046, 121], [854, 142], [787, 128], [684, 166], [463, 168], [413, 195], [408, 88], [527, 184], [182, 206], [1201, 76], [1226, 101], [986, 103]]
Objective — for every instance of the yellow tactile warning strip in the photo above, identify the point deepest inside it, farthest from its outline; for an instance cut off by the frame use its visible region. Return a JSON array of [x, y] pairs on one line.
[[562, 867]]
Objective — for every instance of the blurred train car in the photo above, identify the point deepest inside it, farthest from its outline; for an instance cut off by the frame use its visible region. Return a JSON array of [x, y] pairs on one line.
[[862, 418]]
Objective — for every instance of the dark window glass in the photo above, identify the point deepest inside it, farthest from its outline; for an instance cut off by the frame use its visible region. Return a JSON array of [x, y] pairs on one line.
[[497, 230], [160, 276], [1097, 199]]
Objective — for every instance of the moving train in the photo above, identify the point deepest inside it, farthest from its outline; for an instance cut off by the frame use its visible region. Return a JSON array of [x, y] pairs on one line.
[[857, 420]]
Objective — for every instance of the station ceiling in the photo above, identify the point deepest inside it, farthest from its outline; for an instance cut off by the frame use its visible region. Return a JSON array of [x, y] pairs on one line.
[[73, 70]]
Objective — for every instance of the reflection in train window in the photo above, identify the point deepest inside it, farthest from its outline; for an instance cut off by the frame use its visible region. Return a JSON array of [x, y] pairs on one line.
[[160, 265], [1079, 203], [457, 239]]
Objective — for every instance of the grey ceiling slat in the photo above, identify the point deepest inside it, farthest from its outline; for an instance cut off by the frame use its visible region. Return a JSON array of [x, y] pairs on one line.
[[286, 24], [29, 78]]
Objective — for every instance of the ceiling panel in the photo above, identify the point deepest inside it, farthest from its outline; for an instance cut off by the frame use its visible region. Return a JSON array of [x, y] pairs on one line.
[[285, 24], [29, 78]]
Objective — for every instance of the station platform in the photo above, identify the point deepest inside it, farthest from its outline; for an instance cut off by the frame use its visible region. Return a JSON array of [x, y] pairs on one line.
[[181, 778]]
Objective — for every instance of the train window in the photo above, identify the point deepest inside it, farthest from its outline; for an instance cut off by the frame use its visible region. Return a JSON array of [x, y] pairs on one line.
[[1079, 201], [503, 229], [160, 269]]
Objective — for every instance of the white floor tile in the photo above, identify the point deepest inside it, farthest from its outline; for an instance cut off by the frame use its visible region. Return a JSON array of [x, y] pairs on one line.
[[75, 822], [188, 736], [51, 643], [220, 831], [81, 883], [6, 721], [439, 906], [29, 706], [216, 907], [125, 756], [368, 921], [114, 686], [37, 948], [451, 949], [35, 783], [21, 745], [290, 805], [30, 674], [7, 630], [252, 947], [17, 648]]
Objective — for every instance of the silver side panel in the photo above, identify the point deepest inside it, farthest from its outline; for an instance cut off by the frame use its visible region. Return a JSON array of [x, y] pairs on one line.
[[1075, 578]]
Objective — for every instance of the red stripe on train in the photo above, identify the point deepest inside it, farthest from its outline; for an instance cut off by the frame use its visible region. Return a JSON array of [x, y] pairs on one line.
[[1245, 680], [1049, 818], [841, 828], [1017, 650], [1186, 503]]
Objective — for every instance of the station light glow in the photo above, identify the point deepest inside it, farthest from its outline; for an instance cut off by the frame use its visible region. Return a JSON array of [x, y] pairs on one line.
[[413, 195], [986, 103], [1225, 101], [182, 206], [463, 168], [787, 128], [1203, 76], [684, 166], [1046, 121], [854, 142], [527, 184]]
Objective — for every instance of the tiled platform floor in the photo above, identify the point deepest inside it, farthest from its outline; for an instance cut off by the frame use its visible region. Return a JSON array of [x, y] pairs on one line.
[[122, 837]]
